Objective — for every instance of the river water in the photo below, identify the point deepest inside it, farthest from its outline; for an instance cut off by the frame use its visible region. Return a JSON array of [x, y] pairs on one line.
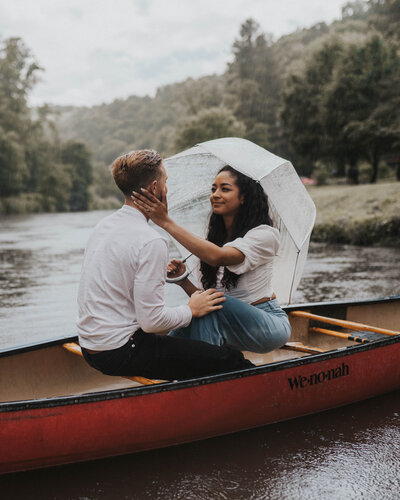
[[350, 452]]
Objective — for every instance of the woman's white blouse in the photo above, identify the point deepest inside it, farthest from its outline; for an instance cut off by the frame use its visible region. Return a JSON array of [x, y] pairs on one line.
[[260, 246]]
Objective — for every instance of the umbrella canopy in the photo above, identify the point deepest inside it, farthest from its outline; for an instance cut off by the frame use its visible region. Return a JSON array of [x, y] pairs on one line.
[[191, 173]]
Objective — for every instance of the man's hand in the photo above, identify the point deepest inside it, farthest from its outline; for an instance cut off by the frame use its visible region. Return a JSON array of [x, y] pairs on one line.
[[175, 268], [202, 303]]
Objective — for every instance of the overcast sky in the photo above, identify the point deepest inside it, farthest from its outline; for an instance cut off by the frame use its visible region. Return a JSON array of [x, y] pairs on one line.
[[94, 51]]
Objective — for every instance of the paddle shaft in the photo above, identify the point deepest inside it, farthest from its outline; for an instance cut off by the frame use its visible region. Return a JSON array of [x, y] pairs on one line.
[[340, 335], [350, 325]]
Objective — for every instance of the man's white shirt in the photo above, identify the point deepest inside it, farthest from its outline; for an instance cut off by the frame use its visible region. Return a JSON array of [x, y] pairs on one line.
[[122, 283]]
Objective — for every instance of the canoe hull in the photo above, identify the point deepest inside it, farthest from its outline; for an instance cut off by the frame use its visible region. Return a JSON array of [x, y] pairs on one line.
[[66, 430]]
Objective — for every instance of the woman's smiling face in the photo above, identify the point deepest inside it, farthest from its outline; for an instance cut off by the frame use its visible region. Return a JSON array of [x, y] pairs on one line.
[[225, 195]]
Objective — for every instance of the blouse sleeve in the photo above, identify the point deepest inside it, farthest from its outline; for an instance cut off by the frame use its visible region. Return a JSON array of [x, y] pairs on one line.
[[258, 245]]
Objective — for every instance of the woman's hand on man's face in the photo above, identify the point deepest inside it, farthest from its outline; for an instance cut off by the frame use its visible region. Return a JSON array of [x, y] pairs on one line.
[[152, 207]]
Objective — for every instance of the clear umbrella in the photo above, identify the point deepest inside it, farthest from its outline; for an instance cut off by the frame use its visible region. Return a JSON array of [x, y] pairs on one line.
[[190, 176]]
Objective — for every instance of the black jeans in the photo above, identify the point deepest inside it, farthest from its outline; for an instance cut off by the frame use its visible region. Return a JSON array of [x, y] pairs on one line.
[[166, 358]]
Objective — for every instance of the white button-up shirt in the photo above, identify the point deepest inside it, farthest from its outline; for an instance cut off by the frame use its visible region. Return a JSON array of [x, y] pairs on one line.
[[122, 283]]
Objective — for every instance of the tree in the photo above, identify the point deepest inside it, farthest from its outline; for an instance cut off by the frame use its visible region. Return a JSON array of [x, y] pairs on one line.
[[76, 159], [362, 102], [253, 83], [208, 124], [357, 9], [303, 114], [345, 105], [385, 17], [13, 169], [17, 77]]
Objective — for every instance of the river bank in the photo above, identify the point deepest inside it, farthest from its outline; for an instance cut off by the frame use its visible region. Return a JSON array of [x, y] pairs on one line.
[[367, 214]]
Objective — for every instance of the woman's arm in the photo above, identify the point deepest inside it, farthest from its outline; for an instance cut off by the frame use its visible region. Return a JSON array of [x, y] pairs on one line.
[[206, 251], [188, 287]]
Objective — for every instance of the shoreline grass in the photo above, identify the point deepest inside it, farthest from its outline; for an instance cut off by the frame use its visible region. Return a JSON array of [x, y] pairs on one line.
[[366, 214]]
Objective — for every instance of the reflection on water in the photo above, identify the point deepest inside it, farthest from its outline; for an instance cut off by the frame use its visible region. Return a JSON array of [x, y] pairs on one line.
[[15, 265], [351, 452], [344, 272]]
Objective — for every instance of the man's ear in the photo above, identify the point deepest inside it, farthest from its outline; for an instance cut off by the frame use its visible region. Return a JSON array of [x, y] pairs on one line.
[[152, 187]]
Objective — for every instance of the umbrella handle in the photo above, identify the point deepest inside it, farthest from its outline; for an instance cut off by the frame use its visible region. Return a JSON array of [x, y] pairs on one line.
[[178, 278], [182, 276]]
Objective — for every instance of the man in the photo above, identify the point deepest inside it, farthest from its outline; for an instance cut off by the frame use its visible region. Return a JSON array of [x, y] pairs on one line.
[[122, 317]]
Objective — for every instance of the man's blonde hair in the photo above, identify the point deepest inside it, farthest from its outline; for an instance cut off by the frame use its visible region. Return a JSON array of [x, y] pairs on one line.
[[136, 170]]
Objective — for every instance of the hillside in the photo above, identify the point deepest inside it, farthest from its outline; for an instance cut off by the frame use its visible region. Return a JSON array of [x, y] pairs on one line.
[[143, 122]]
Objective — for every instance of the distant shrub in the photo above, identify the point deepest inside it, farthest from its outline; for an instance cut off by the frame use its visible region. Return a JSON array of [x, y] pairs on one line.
[[21, 204], [369, 232]]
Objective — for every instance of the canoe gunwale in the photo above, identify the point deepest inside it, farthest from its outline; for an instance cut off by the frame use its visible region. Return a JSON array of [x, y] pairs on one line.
[[343, 303], [94, 397], [311, 305]]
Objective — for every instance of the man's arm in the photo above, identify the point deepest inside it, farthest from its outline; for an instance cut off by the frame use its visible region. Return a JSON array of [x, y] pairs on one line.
[[148, 292]]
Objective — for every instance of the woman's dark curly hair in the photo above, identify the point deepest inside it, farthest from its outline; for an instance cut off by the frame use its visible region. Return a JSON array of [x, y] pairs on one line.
[[252, 213]]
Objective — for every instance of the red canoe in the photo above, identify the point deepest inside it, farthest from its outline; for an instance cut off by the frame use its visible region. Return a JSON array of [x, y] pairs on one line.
[[55, 409]]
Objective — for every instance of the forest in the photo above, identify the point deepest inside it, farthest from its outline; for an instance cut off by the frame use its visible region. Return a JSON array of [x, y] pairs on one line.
[[325, 97]]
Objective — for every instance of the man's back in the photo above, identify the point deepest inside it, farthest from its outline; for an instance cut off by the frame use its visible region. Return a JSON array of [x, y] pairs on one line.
[[106, 295]]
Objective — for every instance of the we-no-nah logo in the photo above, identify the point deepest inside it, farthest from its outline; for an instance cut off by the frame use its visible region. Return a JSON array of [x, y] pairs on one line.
[[301, 381]]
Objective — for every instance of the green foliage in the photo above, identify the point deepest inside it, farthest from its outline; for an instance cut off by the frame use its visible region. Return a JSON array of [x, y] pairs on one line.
[[37, 172], [13, 169], [345, 106], [385, 17], [76, 161], [208, 124], [364, 102], [253, 82], [370, 232], [303, 112], [17, 76]]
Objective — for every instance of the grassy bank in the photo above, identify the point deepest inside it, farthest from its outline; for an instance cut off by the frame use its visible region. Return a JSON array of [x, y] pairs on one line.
[[367, 214], [33, 203]]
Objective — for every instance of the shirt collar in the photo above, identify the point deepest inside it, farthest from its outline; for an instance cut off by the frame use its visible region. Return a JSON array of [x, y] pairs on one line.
[[133, 211]]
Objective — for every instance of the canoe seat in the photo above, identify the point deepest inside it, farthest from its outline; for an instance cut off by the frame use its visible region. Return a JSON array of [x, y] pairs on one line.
[[75, 349]]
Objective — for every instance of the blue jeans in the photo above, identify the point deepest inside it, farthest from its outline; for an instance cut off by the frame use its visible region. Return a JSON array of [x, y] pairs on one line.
[[242, 326]]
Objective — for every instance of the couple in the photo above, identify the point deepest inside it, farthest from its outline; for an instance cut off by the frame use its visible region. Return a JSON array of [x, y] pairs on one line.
[[123, 322]]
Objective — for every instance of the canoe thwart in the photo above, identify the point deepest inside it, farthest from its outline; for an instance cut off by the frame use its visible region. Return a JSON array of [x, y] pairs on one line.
[[75, 349]]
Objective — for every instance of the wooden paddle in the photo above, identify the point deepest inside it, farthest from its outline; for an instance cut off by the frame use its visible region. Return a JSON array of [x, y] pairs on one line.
[[350, 325], [340, 335]]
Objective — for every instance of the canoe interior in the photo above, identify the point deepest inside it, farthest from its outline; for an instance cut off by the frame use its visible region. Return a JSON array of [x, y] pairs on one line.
[[52, 371]]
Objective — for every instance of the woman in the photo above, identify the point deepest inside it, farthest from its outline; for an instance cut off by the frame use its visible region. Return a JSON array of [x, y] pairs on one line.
[[237, 258]]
